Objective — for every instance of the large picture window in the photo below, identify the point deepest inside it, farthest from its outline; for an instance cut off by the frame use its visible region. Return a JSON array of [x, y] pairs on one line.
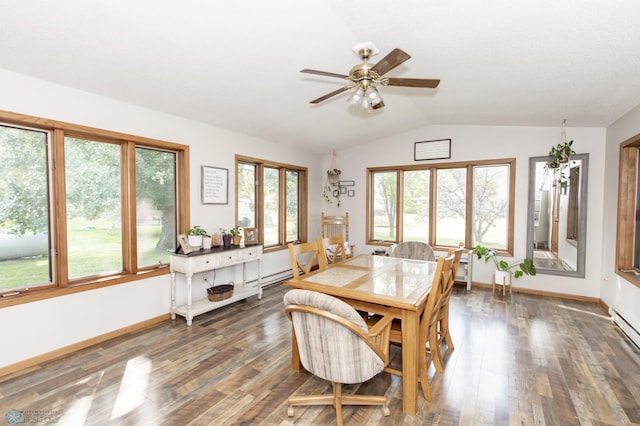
[[106, 214], [443, 204], [271, 197]]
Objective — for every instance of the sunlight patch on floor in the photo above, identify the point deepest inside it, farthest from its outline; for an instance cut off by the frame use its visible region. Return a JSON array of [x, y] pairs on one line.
[[133, 387]]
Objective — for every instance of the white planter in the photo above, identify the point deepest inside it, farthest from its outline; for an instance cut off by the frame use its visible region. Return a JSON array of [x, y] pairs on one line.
[[502, 277], [195, 241], [206, 242]]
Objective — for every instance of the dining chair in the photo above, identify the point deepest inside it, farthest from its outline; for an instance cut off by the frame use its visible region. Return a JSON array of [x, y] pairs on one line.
[[427, 334], [335, 249], [417, 250], [444, 334], [305, 256], [333, 225], [335, 344]]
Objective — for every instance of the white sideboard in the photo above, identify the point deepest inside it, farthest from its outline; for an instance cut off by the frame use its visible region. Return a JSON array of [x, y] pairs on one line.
[[209, 260]]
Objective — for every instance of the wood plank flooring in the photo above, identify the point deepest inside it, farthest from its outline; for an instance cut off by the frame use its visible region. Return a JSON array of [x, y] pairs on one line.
[[519, 360]]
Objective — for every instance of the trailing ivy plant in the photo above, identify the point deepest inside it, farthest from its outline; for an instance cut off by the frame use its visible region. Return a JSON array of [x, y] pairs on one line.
[[559, 162], [332, 187]]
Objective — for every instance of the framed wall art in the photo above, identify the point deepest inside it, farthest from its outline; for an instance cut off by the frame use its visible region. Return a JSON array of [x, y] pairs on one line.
[[184, 245], [215, 185]]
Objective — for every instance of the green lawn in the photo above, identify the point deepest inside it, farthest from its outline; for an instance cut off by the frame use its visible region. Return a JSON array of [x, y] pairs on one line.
[[94, 248]]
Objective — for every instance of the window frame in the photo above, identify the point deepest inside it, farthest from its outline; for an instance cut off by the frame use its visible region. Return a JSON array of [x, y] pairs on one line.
[[61, 285], [469, 165], [260, 165], [628, 186]]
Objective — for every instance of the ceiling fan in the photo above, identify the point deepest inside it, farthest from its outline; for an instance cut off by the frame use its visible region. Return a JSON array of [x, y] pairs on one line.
[[365, 76]]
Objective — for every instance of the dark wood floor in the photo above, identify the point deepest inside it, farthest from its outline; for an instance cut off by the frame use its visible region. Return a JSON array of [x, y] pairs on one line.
[[519, 360]]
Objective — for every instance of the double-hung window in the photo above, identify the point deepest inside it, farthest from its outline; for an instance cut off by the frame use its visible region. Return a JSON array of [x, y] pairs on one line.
[[271, 197]]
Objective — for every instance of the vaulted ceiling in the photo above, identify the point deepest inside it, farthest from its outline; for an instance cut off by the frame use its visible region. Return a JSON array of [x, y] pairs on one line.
[[236, 65]]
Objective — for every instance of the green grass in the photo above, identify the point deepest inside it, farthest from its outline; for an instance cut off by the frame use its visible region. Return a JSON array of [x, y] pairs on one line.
[[94, 248]]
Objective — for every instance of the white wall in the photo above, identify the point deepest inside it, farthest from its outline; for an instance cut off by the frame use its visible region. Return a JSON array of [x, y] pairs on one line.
[[84, 315], [43, 326], [482, 143], [616, 291]]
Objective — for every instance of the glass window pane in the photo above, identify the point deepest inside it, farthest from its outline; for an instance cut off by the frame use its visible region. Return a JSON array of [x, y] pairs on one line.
[[293, 206], [246, 195], [451, 204], [271, 209], [415, 216], [491, 206], [94, 207], [155, 205], [24, 209], [384, 205]]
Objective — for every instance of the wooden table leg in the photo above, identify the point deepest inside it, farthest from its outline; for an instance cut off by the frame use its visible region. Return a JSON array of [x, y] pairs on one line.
[[410, 329]]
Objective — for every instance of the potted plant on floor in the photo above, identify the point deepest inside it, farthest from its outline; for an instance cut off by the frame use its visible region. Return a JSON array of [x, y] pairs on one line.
[[504, 269]]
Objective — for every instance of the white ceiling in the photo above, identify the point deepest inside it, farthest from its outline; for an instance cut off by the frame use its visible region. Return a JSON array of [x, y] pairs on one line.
[[236, 64]]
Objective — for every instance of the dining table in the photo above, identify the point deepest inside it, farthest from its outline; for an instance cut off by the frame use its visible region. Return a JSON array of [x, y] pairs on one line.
[[379, 285]]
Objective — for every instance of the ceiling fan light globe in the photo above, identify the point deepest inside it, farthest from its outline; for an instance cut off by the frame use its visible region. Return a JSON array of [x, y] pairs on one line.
[[354, 99], [373, 93], [378, 105]]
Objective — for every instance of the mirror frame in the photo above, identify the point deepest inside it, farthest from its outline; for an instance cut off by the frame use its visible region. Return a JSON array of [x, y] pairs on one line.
[[582, 225]]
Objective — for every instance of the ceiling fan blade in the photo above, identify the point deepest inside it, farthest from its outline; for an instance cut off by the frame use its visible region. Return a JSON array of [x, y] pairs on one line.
[[328, 95], [392, 60], [327, 74], [414, 82]]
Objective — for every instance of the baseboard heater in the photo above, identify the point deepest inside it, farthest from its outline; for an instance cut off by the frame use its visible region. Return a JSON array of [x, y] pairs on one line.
[[275, 278], [629, 329]]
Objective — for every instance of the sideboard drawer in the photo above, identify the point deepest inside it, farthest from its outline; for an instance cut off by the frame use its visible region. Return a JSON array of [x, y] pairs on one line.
[[251, 253], [229, 258], [205, 263]]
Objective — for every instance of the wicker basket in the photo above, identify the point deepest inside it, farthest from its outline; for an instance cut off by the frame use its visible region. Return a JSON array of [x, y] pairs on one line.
[[220, 292]]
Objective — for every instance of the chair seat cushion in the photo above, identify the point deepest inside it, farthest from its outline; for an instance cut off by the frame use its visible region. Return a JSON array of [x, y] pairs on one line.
[[332, 249]]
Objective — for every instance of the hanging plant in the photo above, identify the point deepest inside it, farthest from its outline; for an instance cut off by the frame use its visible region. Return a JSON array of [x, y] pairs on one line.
[[560, 154], [334, 176], [559, 163], [331, 193], [332, 187]]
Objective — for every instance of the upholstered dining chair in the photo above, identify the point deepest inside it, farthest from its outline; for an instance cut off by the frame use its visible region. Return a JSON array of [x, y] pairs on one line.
[[335, 344], [335, 249], [444, 335], [427, 334], [417, 250], [305, 256]]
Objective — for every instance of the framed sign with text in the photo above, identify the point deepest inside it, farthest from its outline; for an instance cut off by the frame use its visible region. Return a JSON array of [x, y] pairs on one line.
[[215, 185]]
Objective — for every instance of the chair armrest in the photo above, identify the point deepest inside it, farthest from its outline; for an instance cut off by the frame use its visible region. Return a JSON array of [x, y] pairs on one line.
[[380, 333]]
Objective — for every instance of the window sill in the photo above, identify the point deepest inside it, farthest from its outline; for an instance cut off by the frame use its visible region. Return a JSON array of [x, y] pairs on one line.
[[37, 294]]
